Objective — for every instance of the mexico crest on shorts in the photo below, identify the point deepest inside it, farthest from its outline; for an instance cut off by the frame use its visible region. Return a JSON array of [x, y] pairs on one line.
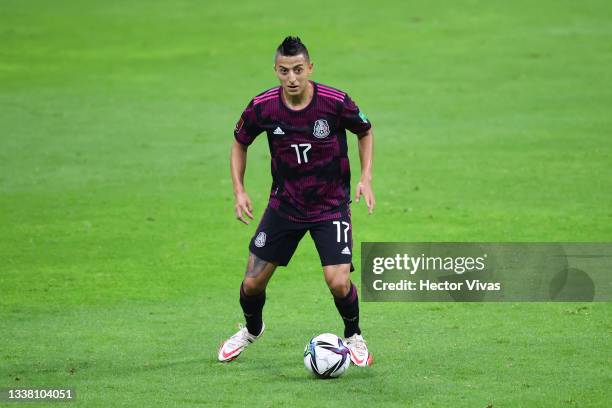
[[321, 129], [260, 240]]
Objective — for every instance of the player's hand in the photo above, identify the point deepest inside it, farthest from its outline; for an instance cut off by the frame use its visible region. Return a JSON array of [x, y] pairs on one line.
[[364, 189], [243, 206]]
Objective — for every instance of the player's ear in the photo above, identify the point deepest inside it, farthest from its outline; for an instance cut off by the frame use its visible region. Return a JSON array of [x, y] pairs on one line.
[[274, 63]]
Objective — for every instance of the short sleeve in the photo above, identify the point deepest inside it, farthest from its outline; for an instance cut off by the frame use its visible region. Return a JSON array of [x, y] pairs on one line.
[[353, 119], [247, 127]]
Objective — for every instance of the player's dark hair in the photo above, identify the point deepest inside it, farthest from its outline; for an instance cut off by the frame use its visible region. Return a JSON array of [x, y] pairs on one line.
[[292, 46]]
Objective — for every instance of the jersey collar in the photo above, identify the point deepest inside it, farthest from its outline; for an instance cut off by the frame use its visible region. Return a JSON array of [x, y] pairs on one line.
[[305, 108]]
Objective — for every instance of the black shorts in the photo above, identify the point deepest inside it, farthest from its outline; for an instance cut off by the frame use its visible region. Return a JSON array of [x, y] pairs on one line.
[[277, 238]]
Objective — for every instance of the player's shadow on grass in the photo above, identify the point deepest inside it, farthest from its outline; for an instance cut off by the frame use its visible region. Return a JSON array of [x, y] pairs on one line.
[[286, 370], [353, 374]]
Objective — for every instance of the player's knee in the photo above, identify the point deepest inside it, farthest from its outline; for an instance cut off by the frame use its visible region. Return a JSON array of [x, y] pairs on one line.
[[253, 286], [339, 285], [338, 279]]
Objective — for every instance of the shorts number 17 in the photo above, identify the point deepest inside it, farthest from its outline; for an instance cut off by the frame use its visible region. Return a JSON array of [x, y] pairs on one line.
[[338, 228]]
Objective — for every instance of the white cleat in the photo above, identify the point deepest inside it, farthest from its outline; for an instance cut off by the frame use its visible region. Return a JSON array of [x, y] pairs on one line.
[[232, 347], [360, 356]]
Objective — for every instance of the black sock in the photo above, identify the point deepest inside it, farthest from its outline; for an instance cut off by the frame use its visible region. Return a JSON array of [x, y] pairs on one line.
[[252, 307], [348, 307]]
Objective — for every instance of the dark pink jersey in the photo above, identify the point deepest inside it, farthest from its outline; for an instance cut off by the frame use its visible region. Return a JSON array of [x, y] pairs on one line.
[[310, 165]]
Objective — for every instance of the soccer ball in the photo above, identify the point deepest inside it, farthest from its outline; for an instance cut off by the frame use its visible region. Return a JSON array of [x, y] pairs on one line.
[[326, 356]]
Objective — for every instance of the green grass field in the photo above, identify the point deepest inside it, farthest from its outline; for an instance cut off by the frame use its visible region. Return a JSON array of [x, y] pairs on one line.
[[121, 258]]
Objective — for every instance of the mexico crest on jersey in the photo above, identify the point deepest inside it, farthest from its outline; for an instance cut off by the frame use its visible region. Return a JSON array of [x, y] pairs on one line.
[[321, 129]]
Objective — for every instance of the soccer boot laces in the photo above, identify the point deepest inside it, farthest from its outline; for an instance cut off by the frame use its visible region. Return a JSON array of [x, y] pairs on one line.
[[360, 356], [231, 348]]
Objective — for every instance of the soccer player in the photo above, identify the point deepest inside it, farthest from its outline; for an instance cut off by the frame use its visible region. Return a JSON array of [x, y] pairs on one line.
[[306, 126]]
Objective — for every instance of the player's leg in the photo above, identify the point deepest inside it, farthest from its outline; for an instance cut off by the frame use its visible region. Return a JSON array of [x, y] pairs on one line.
[[253, 292], [272, 245], [346, 300], [252, 300], [344, 292], [334, 243]]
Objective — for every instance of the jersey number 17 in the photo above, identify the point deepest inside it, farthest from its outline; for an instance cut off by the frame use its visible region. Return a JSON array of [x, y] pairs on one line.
[[301, 150]]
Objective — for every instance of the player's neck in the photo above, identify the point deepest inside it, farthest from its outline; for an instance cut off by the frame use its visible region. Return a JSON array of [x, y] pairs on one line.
[[300, 101]]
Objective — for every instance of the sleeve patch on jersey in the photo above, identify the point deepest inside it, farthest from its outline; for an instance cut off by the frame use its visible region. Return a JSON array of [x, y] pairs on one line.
[[363, 117]]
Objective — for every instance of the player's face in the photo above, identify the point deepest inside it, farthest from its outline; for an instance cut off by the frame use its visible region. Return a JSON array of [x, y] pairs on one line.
[[293, 73]]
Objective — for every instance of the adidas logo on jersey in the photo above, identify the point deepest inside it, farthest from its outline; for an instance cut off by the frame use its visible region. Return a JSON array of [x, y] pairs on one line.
[[278, 131], [346, 251]]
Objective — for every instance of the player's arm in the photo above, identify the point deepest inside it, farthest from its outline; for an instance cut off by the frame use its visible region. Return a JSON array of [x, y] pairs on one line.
[[238, 159], [366, 152]]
